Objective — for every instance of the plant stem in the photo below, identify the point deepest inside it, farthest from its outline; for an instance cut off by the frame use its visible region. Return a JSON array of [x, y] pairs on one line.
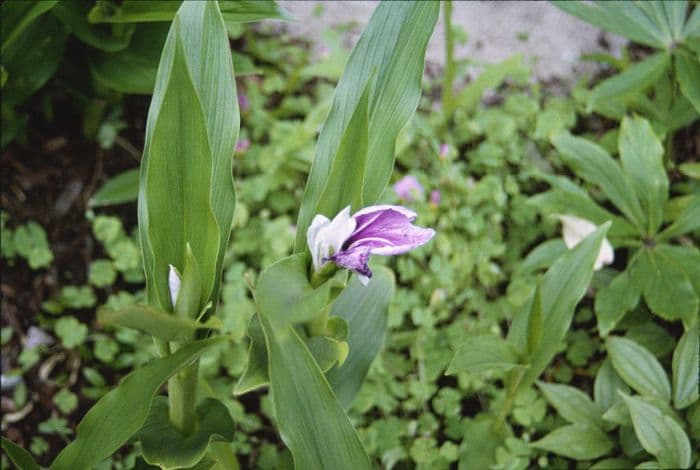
[[182, 399], [449, 75]]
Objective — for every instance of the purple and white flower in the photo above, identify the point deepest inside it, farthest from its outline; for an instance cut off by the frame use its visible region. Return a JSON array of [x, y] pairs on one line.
[[408, 188], [348, 241]]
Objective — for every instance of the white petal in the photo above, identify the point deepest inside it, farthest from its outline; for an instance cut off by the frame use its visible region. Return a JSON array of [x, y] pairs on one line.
[[363, 279], [326, 237], [173, 284], [575, 229]]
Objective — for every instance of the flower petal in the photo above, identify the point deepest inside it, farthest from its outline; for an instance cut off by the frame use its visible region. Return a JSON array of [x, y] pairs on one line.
[[355, 260], [173, 284], [388, 232], [326, 237], [575, 229]]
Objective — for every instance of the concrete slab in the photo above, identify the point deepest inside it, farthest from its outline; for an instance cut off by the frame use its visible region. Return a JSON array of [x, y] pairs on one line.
[[550, 38]]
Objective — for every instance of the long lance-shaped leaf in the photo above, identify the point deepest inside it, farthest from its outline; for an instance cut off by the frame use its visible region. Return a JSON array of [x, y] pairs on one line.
[[311, 420], [365, 310], [561, 288], [120, 414], [186, 193], [391, 53]]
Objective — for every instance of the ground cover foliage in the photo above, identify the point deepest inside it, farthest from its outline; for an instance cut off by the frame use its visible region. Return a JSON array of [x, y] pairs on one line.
[[476, 369]]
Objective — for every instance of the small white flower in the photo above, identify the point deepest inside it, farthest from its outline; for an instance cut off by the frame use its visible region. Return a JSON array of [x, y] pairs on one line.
[[575, 229], [173, 284], [325, 237]]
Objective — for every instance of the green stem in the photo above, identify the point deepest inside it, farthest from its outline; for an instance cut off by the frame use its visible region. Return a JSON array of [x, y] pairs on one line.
[[513, 384], [182, 399], [449, 75]]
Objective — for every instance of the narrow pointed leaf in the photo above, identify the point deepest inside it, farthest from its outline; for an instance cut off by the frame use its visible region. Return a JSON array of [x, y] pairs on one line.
[[592, 163], [365, 310], [117, 416], [391, 53], [638, 367], [562, 287], [660, 435], [19, 456], [576, 441], [311, 420], [481, 354], [688, 73], [686, 368], [572, 404], [641, 155], [155, 322]]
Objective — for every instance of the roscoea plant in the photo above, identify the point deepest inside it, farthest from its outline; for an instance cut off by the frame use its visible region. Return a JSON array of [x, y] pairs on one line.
[[314, 334]]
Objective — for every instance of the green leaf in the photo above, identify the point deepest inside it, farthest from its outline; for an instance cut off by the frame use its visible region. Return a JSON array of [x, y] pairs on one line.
[[684, 257], [592, 163], [489, 79], [19, 456], [73, 14], [163, 445], [576, 441], [481, 354], [562, 287], [119, 189], [641, 155], [346, 178], [32, 58], [612, 464], [365, 310], [155, 322], [18, 16], [71, 331], [311, 421], [120, 413], [572, 404], [255, 374], [667, 288], [542, 256], [616, 17], [30, 242], [607, 386], [686, 364], [192, 128], [390, 53], [618, 298], [134, 69], [285, 296], [136, 11], [659, 434], [688, 73], [687, 221], [633, 80], [638, 367], [534, 324], [179, 158]]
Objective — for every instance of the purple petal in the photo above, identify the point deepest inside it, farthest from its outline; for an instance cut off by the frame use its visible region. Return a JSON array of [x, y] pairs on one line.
[[387, 230], [354, 259]]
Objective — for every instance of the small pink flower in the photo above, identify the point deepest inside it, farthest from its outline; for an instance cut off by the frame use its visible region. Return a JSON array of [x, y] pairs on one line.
[[243, 101], [435, 197], [444, 150], [242, 145], [408, 188]]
